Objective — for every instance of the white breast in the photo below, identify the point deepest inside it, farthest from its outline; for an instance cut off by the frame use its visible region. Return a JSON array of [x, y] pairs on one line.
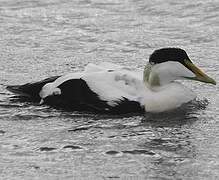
[[168, 97]]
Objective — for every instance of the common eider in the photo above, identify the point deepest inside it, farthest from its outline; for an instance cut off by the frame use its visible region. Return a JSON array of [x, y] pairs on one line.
[[110, 88]]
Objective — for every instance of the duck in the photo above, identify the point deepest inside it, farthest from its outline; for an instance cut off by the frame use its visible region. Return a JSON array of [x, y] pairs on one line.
[[111, 88]]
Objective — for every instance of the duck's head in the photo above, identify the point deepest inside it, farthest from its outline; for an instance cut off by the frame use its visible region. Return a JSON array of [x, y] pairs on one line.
[[169, 64]]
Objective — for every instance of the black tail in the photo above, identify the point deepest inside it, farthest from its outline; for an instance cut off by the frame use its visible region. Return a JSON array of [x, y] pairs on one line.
[[31, 90]]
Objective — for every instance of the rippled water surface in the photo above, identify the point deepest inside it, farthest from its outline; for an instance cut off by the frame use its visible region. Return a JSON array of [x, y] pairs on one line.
[[42, 38]]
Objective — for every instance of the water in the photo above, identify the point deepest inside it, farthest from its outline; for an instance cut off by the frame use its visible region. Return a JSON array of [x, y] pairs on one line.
[[42, 38]]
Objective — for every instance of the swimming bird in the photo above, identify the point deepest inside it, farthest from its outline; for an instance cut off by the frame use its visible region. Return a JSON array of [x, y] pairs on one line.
[[110, 88]]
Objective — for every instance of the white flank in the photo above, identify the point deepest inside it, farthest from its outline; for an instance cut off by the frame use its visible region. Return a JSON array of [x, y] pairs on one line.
[[114, 86]]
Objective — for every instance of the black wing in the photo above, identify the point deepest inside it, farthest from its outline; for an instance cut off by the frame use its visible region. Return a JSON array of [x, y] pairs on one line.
[[76, 95], [31, 90]]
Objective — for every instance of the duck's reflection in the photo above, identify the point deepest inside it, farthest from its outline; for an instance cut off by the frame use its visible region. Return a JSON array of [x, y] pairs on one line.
[[172, 140]]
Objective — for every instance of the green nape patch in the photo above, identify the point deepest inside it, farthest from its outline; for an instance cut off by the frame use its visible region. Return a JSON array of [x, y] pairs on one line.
[[149, 77]]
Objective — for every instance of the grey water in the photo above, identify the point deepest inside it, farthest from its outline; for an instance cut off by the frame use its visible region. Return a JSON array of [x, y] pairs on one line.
[[43, 38]]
